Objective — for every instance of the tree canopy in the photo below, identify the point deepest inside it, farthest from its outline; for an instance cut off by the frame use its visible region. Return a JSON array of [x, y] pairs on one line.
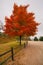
[[20, 22]]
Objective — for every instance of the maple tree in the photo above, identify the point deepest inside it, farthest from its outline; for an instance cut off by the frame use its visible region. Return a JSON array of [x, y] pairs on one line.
[[20, 22]]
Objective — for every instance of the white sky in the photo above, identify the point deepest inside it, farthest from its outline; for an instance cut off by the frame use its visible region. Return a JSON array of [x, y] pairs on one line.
[[36, 6]]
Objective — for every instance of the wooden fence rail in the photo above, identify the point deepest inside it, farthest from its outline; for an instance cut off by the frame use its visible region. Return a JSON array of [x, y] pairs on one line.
[[11, 56], [5, 53], [8, 57]]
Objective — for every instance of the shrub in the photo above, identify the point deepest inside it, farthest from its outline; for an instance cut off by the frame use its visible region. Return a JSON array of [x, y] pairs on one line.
[[41, 38], [35, 39]]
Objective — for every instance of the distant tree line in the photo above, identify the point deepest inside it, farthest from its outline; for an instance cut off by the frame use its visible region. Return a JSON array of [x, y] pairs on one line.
[[40, 38], [23, 38]]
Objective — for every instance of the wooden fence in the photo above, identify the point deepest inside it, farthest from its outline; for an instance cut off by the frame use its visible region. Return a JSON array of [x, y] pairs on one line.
[[12, 53]]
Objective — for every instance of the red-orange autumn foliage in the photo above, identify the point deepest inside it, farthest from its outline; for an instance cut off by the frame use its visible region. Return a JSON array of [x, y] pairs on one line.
[[20, 22]]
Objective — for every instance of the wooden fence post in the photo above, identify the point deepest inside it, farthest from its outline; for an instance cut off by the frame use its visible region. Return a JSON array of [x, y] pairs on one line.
[[12, 53], [24, 45]]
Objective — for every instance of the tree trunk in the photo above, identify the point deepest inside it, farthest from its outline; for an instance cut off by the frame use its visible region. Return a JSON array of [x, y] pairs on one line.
[[20, 40]]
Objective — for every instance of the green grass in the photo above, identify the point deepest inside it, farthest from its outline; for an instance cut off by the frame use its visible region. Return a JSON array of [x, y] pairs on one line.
[[7, 46], [4, 40]]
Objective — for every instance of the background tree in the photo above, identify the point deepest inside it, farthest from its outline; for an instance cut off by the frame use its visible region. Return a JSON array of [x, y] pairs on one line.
[[0, 34], [1, 26], [41, 38], [29, 38], [35, 39], [21, 23]]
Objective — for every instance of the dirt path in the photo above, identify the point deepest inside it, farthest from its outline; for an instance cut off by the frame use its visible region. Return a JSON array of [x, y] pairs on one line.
[[31, 55]]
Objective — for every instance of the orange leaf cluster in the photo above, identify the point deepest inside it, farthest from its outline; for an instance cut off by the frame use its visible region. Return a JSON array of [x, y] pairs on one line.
[[21, 22]]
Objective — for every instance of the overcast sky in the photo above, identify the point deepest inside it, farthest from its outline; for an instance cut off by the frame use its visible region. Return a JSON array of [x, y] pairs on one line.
[[36, 6]]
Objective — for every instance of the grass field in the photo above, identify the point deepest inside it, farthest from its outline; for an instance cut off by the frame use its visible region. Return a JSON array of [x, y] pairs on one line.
[[6, 45], [4, 40]]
